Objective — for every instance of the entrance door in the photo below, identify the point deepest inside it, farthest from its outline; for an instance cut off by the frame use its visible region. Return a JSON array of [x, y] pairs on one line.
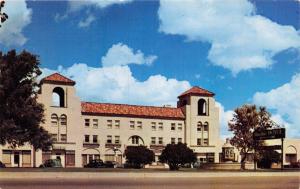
[[16, 159]]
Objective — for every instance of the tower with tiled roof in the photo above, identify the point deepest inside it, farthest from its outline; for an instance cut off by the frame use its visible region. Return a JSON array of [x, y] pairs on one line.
[[62, 119], [202, 122]]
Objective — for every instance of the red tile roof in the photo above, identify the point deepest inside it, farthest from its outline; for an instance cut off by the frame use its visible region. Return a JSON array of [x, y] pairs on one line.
[[197, 91], [57, 78], [90, 108]]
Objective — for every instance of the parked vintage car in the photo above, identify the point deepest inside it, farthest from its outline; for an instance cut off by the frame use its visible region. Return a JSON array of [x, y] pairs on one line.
[[110, 164], [96, 163], [295, 164], [56, 163], [133, 166], [2, 165]]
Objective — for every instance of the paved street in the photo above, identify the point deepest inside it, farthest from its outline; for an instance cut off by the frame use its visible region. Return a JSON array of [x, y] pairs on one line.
[[251, 182]]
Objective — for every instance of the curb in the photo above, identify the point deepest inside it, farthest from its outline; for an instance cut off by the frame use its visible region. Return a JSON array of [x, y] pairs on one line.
[[81, 175]]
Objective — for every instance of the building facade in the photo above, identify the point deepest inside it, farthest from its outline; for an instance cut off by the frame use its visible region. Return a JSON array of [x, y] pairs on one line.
[[83, 131]]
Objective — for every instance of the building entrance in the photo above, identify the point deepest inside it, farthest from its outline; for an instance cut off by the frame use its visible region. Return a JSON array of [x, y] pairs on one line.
[[16, 159]]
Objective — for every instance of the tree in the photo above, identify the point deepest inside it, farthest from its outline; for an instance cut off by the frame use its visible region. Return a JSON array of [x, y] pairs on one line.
[[137, 156], [245, 121], [177, 154], [21, 114], [3, 16]]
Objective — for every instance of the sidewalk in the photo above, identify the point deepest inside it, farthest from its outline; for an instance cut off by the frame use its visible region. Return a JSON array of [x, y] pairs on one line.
[[94, 175]]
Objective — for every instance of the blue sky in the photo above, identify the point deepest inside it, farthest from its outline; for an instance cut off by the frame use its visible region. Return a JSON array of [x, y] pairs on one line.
[[148, 52]]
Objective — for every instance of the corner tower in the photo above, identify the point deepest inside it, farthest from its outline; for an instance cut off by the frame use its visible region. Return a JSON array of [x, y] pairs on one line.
[[62, 119], [202, 123]]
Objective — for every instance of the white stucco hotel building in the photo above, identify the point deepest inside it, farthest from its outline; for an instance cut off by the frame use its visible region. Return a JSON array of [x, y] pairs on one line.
[[83, 131]]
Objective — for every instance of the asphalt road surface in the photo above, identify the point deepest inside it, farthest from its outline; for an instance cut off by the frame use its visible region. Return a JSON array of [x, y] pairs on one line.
[[155, 183]]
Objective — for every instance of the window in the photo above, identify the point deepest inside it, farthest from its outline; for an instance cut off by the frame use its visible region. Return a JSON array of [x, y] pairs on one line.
[[172, 140], [199, 126], [63, 120], [173, 125], [153, 126], [205, 126], [117, 124], [54, 120], [179, 140], [211, 157], [54, 137], [109, 139], [135, 139], [63, 137], [95, 138], [109, 124], [86, 138], [160, 140], [180, 126], [58, 97], [131, 124], [199, 141], [117, 139], [205, 142], [153, 140], [202, 107], [160, 126], [87, 122], [139, 125], [95, 123], [97, 156]]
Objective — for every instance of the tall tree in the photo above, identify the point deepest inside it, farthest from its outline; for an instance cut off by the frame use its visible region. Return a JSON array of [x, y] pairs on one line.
[[137, 156], [245, 121], [177, 154], [21, 114]]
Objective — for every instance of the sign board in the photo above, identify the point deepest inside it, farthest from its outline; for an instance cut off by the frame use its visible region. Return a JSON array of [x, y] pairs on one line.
[[269, 134], [274, 147]]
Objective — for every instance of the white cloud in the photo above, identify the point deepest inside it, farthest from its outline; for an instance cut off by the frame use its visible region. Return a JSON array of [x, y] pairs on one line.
[[284, 100], [120, 55], [116, 83], [240, 39], [75, 6], [87, 21], [225, 117], [19, 17], [78, 5]]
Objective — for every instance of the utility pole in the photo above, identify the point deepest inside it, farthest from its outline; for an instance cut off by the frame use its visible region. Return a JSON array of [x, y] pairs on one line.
[[3, 16]]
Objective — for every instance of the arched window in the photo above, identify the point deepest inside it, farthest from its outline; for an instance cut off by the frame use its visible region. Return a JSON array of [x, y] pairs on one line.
[[54, 120], [136, 140], [199, 126], [202, 107], [63, 120], [205, 126], [58, 97]]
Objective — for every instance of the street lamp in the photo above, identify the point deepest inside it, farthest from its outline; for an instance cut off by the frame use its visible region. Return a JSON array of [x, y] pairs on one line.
[[115, 151]]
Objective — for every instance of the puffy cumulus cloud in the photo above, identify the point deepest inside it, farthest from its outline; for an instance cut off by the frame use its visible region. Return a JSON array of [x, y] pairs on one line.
[[240, 39], [114, 82], [284, 100], [225, 117], [19, 17], [120, 55], [75, 5], [117, 84]]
